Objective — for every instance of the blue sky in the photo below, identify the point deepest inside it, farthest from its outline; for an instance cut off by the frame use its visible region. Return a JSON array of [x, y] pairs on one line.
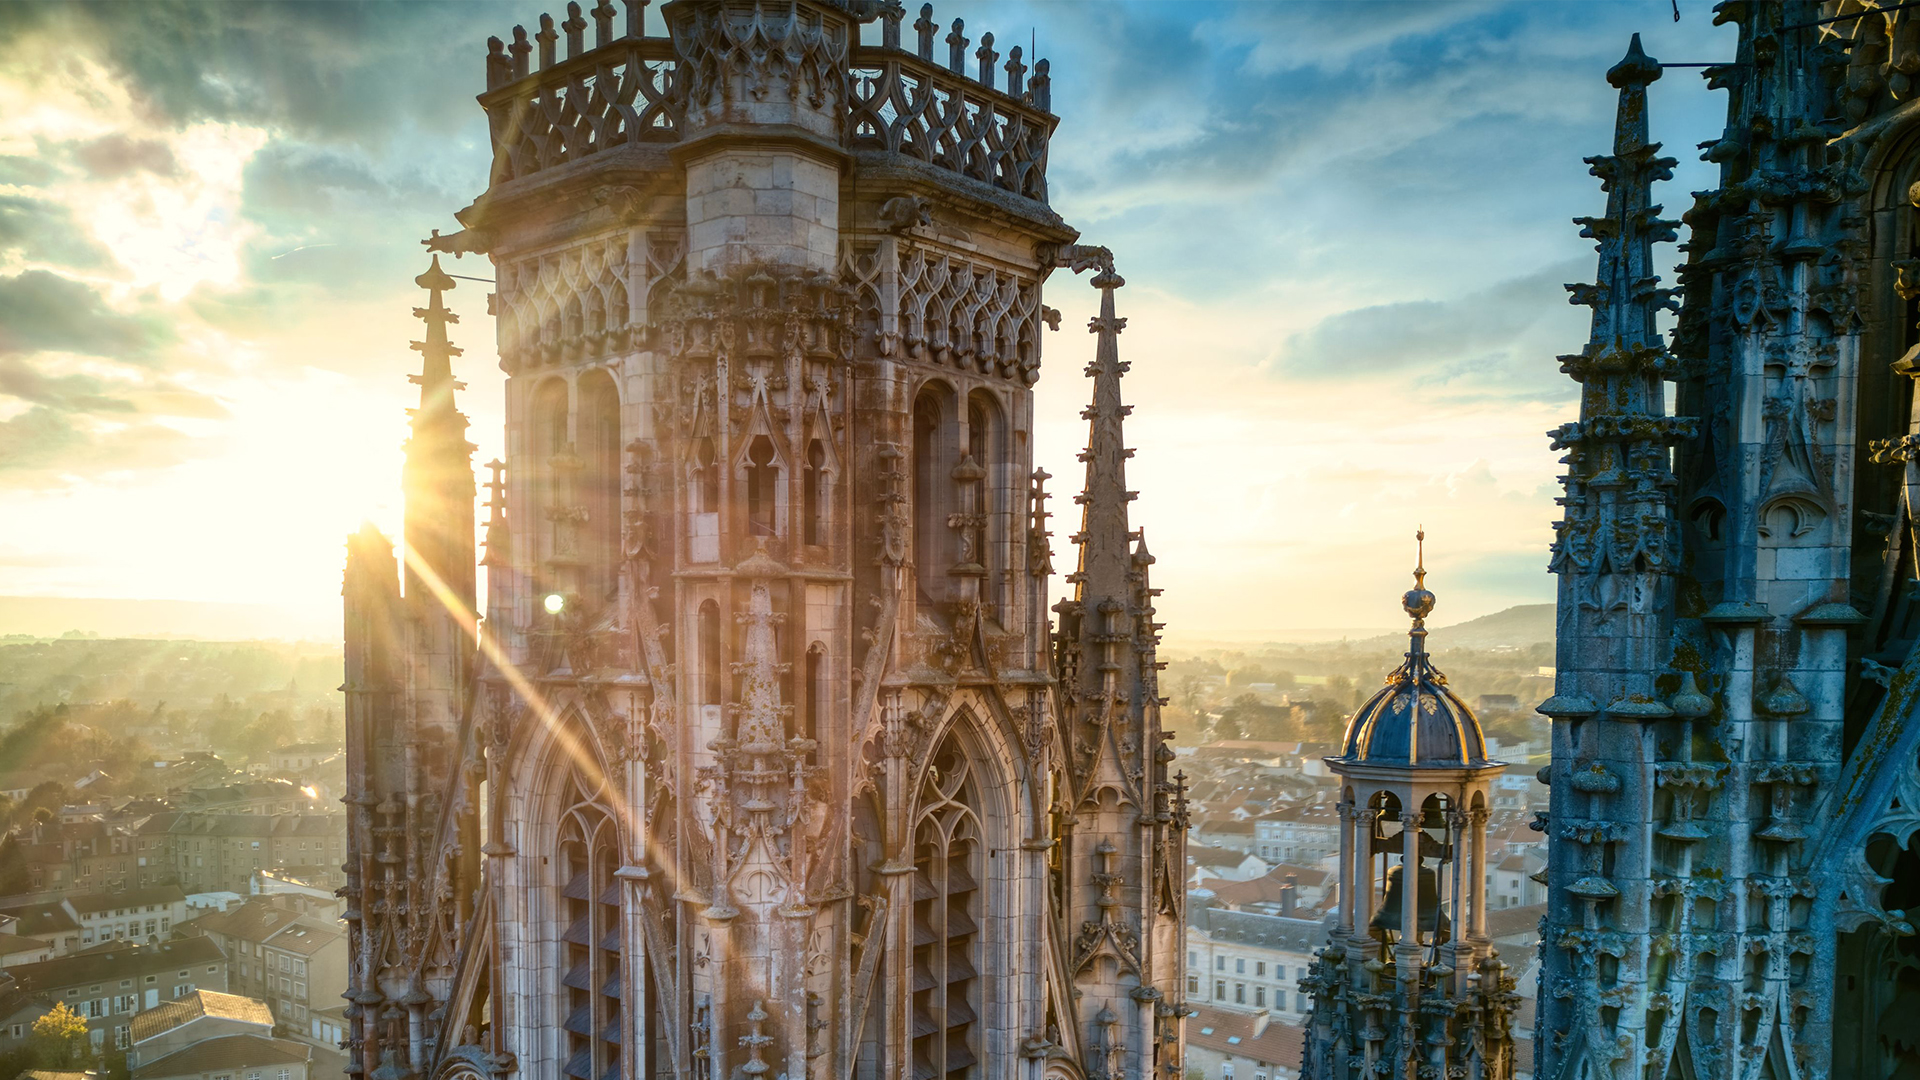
[[1344, 227]]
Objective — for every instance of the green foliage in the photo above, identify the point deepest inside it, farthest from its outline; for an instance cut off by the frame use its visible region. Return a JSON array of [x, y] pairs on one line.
[[59, 1038], [15, 878]]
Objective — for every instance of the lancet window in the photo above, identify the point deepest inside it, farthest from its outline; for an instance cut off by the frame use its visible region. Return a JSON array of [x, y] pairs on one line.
[[600, 480], [813, 508], [813, 717], [710, 653], [987, 501], [551, 443], [589, 908], [763, 484], [932, 492], [948, 866]]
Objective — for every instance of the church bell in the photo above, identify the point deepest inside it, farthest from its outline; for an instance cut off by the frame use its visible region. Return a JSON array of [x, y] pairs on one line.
[[1387, 920]]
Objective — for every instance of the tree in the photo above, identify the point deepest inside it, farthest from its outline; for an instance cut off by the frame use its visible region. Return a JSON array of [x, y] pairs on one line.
[[59, 1038], [1250, 718], [15, 878]]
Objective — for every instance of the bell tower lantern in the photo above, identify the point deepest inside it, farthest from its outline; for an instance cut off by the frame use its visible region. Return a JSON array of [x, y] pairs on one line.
[[1409, 984]]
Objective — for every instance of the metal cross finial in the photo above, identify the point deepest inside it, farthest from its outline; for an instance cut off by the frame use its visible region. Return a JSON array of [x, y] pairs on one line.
[[1420, 560]]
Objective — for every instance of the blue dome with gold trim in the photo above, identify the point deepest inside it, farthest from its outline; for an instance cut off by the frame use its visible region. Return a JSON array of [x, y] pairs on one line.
[[1416, 720]]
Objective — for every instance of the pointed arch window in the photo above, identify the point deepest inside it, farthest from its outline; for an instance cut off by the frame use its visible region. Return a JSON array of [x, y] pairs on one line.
[[763, 479], [813, 496], [710, 653], [591, 942], [599, 436], [708, 488], [816, 691], [988, 499], [948, 866]]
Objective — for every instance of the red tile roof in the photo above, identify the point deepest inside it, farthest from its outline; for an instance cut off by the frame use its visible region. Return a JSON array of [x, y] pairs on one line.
[[1246, 1035]]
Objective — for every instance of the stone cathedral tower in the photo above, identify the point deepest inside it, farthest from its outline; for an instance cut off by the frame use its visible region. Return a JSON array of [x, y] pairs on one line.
[[764, 757], [1735, 825]]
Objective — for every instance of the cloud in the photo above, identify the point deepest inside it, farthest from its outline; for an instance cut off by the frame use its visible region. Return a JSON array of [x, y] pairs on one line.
[[113, 156], [43, 231], [41, 445], [336, 70], [1507, 336], [63, 393], [43, 311]]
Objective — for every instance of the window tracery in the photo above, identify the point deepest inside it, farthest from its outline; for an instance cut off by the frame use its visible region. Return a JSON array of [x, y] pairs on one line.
[[589, 907], [948, 867]]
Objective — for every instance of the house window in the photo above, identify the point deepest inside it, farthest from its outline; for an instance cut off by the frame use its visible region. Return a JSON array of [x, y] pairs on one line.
[[1239, 993], [1219, 963], [1260, 996], [1193, 987], [1193, 959], [1220, 989], [1260, 968], [1240, 966]]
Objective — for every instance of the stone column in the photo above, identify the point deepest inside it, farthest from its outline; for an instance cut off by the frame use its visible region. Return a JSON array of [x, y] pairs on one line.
[[1410, 878], [1348, 875], [1478, 823], [1363, 868]]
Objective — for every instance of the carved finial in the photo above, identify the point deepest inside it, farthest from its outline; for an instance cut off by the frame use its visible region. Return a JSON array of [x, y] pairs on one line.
[[636, 17], [987, 58], [1418, 602], [546, 36], [1016, 73], [603, 13], [520, 48], [1634, 69], [890, 15], [499, 68], [924, 26], [756, 1042], [1040, 88], [957, 47], [576, 28]]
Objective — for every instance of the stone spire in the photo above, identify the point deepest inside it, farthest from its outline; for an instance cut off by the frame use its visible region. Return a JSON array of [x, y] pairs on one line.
[[1616, 551], [1619, 488], [438, 478], [1129, 836], [1104, 539]]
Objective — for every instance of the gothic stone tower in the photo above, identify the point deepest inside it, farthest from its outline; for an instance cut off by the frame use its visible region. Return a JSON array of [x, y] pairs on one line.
[[1735, 821], [765, 759], [1410, 986]]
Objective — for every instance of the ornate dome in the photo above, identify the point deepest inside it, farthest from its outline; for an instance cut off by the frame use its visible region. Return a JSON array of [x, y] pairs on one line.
[[1416, 719]]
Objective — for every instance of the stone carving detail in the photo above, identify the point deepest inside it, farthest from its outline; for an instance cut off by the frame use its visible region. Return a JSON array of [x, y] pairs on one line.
[[564, 307], [628, 94], [760, 49]]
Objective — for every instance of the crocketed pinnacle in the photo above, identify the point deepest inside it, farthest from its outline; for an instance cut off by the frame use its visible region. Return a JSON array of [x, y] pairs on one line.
[[1105, 540], [438, 476], [1625, 295], [1618, 485], [436, 379]]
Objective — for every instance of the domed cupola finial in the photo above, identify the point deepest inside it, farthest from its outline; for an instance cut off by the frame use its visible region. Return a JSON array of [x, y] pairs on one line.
[[1418, 602]]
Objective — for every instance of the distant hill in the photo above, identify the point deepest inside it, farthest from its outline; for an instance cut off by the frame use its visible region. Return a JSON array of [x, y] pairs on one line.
[[1528, 624]]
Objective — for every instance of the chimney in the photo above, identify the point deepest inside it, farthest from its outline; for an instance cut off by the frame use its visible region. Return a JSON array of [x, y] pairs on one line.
[[1289, 894]]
